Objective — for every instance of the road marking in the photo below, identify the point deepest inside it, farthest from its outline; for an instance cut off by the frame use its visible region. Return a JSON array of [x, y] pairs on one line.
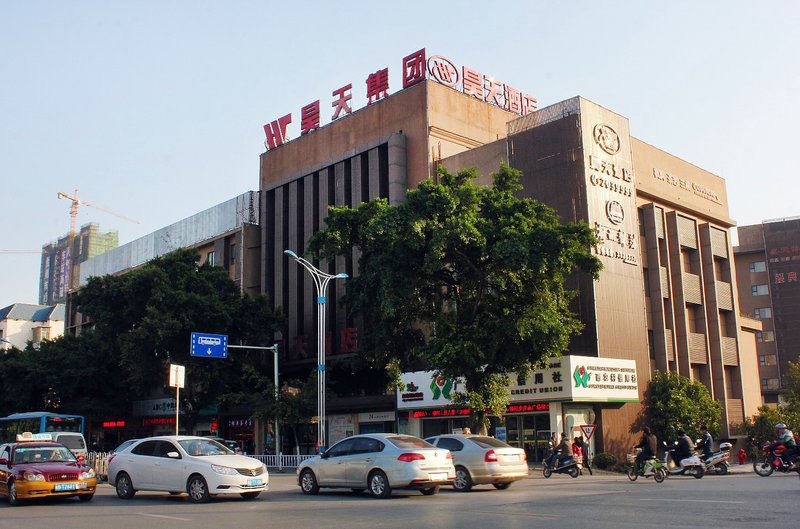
[[693, 501], [163, 516], [513, 513]]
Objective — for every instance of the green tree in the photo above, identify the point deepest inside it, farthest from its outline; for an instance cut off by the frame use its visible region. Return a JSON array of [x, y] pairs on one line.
[[462, 279], [673, 402], [143, 320]]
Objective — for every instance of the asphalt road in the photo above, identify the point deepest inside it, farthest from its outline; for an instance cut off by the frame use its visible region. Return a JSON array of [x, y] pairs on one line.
[[740, 499]]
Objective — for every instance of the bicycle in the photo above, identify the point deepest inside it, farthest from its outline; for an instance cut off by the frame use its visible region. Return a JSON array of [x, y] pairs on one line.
[[650, 467]]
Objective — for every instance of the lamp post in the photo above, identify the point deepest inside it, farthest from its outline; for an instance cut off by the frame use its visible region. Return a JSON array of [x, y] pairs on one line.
[[321, 280]]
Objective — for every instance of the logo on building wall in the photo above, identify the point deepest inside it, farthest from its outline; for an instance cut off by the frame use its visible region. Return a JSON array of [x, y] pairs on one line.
[[615, 212], [441, 387], [581, 376], [606, 138]]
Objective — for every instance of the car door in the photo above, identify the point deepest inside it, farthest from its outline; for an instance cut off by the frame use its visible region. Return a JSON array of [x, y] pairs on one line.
[[333, 467], [168, 473], [361, 460], [5, 472], [138, 463]]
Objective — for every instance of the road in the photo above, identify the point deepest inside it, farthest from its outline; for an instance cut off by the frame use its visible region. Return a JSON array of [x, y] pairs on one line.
[[741, 499]]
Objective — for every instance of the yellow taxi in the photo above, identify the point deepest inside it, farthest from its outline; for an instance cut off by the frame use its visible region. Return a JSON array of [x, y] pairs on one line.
[[35, 467]]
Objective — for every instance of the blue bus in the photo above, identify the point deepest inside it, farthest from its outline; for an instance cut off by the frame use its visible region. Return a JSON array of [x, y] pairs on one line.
[[38, 422]]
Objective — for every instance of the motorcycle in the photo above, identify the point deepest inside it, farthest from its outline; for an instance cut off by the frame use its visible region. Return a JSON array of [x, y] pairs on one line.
[[650, 467], [690, 466], [717, 462], [568, 466], [771, 460]]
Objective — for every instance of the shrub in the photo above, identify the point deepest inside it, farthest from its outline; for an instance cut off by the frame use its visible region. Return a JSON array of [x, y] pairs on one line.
[[605, 461]]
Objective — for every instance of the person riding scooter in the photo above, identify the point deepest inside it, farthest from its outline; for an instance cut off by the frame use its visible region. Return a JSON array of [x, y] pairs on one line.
[[785, 438], [706, 444], [648, 448], [685, 447], [562, 453]]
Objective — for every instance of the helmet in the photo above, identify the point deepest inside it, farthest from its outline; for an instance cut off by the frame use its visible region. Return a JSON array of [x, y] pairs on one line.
[[680, 433], [780, 426]]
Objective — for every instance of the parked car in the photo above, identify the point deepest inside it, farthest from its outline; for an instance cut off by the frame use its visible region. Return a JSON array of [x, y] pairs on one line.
[[480, 460], [40, 469], [378, 463], [199, 466]]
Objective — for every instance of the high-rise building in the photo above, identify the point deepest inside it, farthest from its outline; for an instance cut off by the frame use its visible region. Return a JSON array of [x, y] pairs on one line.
[[54, 275], [768, 274], [665, 300]]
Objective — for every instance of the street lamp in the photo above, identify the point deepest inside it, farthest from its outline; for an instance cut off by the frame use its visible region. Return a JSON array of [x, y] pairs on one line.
[[321, 280]]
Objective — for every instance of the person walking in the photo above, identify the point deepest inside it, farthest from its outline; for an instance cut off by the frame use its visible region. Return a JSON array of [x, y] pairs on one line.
[[583, 446]]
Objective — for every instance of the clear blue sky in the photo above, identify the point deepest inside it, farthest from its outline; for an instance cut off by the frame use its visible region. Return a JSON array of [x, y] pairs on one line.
[[155, 109]]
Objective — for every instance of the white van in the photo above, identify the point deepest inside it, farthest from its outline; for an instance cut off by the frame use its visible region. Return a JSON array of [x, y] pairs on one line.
[[72, 440]]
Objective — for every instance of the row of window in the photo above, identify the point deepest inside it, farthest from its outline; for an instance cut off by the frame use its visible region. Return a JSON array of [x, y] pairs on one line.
[[767, 360], [758, 266], [762, 313], [759, 290]]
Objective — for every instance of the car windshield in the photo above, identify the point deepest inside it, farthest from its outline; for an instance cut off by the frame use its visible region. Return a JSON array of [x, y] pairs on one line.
[[203, 447], [42, 454], [489, 442], [408, 442]]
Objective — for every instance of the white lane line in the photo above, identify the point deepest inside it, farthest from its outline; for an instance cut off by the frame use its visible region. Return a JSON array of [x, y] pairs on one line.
[[163, 516], [693, 501]]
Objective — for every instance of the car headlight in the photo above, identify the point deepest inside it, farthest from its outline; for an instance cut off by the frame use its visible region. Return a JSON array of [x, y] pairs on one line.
[[89, 474], [33, 476], [219, 469]]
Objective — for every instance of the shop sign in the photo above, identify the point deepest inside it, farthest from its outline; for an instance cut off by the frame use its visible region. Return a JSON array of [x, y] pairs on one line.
[[376, 416], [153, 407], [156, 421], [113, 424], [569, 378]]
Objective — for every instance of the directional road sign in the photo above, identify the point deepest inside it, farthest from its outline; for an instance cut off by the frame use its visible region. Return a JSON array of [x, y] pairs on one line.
[[209, 345]]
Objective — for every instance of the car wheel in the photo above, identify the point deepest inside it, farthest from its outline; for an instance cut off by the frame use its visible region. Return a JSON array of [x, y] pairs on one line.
[[125, 488], [379, 484], [308, 482], [13, 499], [85, 497], [430, 491], [501, 486], [250, 495], [197, 488], [463, 481]]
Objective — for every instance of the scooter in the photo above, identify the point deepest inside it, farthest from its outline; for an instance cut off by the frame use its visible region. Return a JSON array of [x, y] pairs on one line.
[[568, 466], [690, 466], [650, 467], [717, 462]]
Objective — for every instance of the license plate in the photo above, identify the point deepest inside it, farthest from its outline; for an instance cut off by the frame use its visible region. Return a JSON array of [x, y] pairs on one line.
[[60, 487], [253, 482], [439, 476], [513, 457]]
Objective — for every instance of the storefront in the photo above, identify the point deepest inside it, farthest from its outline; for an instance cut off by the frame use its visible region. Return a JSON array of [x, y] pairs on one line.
[[560, 398]]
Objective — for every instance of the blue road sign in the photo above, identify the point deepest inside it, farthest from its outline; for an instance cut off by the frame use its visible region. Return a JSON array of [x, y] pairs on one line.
[[209, 345]]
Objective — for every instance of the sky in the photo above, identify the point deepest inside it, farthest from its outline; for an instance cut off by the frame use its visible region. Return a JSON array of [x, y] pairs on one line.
[[155, 109]]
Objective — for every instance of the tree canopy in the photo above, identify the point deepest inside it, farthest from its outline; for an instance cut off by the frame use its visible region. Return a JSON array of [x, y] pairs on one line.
[[141, 322], [462, 279], [674, 402]]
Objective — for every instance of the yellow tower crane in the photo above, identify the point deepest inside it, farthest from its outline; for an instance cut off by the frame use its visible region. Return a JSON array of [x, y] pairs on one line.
[[73, 213]]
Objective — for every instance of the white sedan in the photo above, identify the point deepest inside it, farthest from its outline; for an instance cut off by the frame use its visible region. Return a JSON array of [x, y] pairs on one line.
[[378, 462], [178, 463]]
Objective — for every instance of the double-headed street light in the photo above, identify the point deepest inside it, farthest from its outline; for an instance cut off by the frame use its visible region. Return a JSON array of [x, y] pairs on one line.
[[321, 280]]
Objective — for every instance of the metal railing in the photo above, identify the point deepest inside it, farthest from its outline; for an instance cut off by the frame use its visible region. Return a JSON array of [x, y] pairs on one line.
[[99, 461]]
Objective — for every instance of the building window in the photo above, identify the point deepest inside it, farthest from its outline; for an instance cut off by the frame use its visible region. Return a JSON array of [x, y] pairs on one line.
[[210, 259], [758, 266], [233, 254], [762, 313], [759, 290], [762, 361], [765, 336]]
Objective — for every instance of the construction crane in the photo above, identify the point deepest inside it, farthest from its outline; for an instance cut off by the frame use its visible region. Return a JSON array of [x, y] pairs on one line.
[[73, 213]]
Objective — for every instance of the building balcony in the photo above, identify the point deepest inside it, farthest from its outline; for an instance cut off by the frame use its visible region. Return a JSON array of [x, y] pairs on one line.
[[724, 295], [692, 293], [730, 351], [698, 352]]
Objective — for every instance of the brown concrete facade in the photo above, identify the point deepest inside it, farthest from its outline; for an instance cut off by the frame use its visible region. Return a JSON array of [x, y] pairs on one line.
[[666, 297]]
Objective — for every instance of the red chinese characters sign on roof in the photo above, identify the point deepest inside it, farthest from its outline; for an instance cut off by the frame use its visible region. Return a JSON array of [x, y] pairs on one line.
[[416, 67]]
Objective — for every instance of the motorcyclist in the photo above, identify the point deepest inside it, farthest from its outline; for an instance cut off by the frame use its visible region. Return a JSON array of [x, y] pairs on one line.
[[706, 443], [647, 444], [685, 447], [563, 451], [785, 438]]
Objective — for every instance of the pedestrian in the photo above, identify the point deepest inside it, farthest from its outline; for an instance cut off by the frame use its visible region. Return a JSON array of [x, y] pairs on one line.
[[584, 448]]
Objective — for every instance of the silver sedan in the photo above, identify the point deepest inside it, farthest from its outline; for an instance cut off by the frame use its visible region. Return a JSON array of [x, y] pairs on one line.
[[480, 459], [378, 462]]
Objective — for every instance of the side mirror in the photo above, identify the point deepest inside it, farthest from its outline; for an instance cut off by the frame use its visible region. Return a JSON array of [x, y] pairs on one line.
[[81, 459], [173, 455], [324, 455], [3, 461]]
